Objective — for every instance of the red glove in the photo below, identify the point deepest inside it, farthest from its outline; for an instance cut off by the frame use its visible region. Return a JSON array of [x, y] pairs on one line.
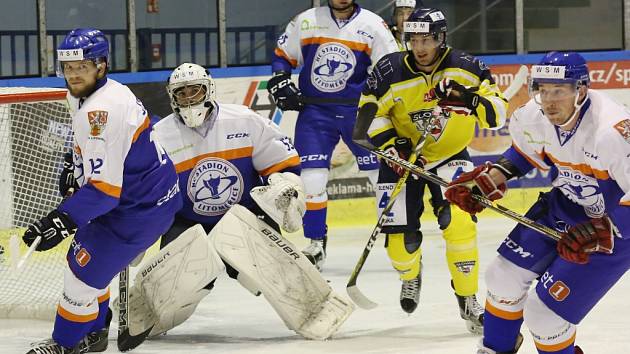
[[402, 149], [581, 240], [460, 193]]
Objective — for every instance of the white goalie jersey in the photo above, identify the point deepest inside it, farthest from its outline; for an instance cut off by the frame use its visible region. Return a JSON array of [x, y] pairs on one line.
[[219, 162]]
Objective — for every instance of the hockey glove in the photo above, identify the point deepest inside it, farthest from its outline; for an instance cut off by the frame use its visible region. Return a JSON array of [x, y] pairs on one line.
[[53, 228], [283, 199], [453, 94], [478, 181], [67, 183], [581, 240], [284, 92], [401, 148]]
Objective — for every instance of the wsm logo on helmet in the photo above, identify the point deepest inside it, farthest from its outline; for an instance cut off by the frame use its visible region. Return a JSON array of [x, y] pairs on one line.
[[214, 186]]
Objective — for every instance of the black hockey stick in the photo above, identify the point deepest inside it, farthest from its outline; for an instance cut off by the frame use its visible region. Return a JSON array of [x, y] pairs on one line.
[[521, 219], [126, 341]]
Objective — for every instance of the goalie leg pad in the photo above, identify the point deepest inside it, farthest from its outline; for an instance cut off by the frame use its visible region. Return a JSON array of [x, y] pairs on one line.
[[273, 265], [170, 285]]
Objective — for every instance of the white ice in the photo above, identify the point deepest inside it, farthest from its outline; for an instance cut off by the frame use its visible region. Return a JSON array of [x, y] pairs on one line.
[[231, 320]]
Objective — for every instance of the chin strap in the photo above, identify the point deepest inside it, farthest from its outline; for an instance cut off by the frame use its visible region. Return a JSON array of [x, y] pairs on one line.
[[576, 111]]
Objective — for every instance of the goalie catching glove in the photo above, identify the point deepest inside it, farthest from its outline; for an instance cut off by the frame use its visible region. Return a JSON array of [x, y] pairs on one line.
[[595, 235], [53, 228], [478, 181], [282, 199]]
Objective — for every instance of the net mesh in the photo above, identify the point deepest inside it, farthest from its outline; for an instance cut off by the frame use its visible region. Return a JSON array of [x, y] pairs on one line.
[[35, 131]]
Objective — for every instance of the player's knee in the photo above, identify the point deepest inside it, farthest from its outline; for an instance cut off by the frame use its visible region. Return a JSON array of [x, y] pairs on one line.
[[546, 326], [79, 297], [460, 229], [507, 284], [315, 180], [403, 250]]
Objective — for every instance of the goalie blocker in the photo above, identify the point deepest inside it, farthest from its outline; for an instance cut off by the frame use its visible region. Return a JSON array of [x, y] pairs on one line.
[[169, 286]]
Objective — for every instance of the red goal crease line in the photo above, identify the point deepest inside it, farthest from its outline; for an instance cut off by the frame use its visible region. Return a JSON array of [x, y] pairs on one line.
[[32, 96]]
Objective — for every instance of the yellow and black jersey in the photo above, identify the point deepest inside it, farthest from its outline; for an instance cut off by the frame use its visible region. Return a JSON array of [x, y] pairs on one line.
[[404, 99]]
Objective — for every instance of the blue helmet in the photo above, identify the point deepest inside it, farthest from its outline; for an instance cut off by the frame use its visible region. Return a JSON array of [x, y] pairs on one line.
[[561, 67], [91, 42]]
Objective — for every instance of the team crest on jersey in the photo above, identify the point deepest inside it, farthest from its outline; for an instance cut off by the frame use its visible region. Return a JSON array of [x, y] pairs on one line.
[[581, 189], [623, 128], [425, 119], [333, 65], [98, 121], [214, 186]]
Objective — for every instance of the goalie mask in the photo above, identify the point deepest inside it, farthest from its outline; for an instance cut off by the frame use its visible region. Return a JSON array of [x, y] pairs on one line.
[[192, 93]]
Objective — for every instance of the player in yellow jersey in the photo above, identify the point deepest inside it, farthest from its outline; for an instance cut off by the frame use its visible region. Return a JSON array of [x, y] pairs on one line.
[[429, 100]]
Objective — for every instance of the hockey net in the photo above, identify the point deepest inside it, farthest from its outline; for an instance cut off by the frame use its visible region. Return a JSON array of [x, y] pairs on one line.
[[35, 131]]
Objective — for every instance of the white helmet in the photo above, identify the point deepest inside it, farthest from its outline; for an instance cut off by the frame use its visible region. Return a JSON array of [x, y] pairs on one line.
[[190, 104], [406, 3]]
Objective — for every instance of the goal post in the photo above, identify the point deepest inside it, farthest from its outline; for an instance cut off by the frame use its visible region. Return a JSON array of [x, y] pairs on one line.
[[35, 131]]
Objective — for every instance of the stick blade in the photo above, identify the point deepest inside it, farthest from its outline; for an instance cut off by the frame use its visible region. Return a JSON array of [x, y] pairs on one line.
[[358, 298]]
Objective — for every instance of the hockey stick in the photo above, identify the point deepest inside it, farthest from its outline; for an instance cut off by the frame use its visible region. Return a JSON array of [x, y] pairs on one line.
[[18, 262], [521, 219], [123, 308], [364, 118], [517, 82], [351, 288]]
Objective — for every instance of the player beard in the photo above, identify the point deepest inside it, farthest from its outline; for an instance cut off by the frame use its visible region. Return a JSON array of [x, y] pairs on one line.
[[80, 90]]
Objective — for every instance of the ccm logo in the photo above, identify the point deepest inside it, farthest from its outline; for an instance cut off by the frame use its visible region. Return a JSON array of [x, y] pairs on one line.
[[237, 136], [314, 157]]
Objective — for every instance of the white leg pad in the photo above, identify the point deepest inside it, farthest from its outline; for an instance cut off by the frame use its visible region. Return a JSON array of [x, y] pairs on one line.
[[170, 285], [270, 263]]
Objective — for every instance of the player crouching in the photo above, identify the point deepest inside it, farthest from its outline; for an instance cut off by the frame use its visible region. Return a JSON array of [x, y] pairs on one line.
[[240, 179]]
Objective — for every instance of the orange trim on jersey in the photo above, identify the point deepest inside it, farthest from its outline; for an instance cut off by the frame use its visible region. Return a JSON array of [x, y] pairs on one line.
[[506, 315], [110, 190], [529, 159], [582, 167], [290, 162], [361, 47], [626, 203], [140, 129], [316, 206], [226, 155], [72, 317], [555, 347], [279, 52], [103, 297]]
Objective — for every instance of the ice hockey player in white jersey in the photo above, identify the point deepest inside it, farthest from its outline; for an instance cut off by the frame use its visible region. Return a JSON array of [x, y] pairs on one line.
[[126, 194], [336, 45], [239, 176], [583, 138]]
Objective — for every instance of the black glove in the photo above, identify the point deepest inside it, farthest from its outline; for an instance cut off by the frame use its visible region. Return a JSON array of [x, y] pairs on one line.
[[402, 149], [67, 183], [53, 228], [284, 93], [452, 93]]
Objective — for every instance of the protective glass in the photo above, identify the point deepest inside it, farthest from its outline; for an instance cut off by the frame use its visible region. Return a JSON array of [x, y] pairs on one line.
[[423, 40], [69, 68]]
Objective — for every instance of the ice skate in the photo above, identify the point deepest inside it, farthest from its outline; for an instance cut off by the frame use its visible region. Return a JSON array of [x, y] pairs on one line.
[[316, 253]]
